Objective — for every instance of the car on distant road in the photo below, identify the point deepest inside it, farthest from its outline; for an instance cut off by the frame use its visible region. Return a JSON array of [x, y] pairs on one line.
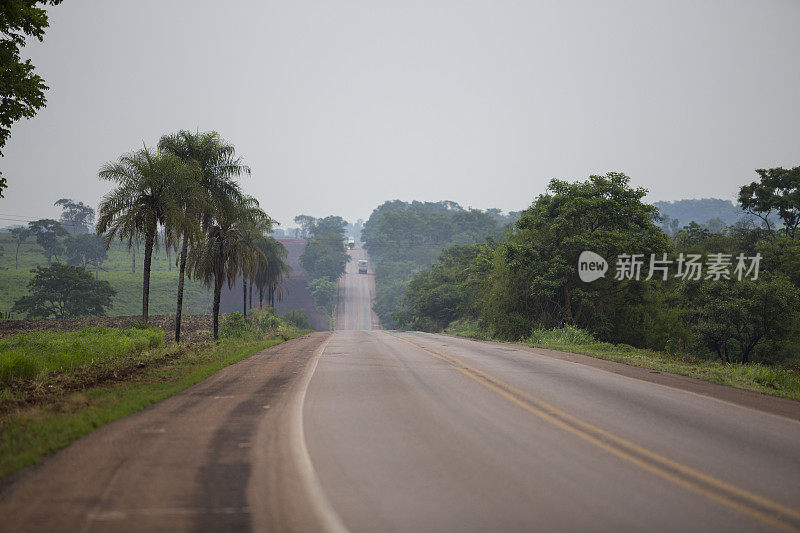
[[362, 266], [351, 242]]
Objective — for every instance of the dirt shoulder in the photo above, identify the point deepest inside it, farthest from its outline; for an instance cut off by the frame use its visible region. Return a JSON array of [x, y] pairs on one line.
[[181, 464]]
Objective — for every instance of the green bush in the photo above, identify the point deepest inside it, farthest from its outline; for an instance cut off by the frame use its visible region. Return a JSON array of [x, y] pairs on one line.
[[298, 318], [468, 328], [257, 325], [566, 335], [236, 325], [32, 355]]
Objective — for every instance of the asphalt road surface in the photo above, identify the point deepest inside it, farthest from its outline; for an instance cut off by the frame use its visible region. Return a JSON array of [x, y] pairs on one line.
[[356, 295], [370, 430]]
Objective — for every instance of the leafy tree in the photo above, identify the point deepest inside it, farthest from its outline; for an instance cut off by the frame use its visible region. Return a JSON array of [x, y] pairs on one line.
[[47, 232], [331, 225], [306, 224], [148, 193], [76, 216], [298, 318], [776, 193], [218, 195], [324, 256], [735, 317], [443, 293], [64, 291], [534, 281], [692, 235], [19, 235], [21, 91], [86, 249], [324, 293]]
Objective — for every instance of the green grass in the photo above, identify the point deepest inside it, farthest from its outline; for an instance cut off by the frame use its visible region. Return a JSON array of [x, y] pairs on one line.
[[29, 433], [118, 272], [35, 355], [764, 379]]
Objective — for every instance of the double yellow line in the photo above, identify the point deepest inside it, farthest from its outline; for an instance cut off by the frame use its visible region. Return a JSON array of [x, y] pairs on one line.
[[758, 507]]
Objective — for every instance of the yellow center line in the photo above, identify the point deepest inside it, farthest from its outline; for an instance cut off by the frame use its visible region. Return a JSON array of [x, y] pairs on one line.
[[758, 507]]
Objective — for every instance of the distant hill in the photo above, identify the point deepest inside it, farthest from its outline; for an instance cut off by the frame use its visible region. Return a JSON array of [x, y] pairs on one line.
[[701, 211]]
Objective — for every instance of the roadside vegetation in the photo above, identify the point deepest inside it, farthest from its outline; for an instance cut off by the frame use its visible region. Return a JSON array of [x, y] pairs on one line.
[[774, 380], [740, 328], [36, 355], [58, 386], [324, 258], [404, 238]]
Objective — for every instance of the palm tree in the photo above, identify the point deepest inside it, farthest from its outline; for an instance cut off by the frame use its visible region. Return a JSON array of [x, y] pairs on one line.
[[218, 167], [148, 192], [226, 252], [272, 269]]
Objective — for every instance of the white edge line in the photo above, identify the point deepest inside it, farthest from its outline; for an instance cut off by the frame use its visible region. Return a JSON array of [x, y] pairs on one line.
[[320, 504]]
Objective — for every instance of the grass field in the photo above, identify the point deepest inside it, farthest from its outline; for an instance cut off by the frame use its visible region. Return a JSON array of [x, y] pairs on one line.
[[35, 355], [118, 272], [775, 381]]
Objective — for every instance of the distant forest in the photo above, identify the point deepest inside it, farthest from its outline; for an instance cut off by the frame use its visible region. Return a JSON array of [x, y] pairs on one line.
[[701, 211]]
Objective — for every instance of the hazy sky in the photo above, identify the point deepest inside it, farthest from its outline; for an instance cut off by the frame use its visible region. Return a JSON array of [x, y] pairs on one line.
[[339, 106]]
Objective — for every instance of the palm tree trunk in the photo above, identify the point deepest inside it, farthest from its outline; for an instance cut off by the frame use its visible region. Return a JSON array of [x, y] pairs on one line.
[[251, 294], [217, 293], [181, 275], [244, 294], [261, 297], [148, 257]]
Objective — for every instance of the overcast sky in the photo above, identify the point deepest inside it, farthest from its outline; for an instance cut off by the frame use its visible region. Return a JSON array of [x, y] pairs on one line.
[[339, 106]]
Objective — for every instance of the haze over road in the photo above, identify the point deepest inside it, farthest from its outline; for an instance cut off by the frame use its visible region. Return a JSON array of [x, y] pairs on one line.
[[370, 430]]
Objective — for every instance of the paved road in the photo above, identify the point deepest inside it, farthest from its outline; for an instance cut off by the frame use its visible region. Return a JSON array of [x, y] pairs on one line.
[[370, 430], [356, 295], [421, 432]]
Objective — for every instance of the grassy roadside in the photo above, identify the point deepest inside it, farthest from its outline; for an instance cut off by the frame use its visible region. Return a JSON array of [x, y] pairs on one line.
[[774, 381], [30, 430]]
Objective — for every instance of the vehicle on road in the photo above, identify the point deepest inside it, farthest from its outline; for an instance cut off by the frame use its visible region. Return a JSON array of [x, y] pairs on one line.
[[351, 242], [362, 266]]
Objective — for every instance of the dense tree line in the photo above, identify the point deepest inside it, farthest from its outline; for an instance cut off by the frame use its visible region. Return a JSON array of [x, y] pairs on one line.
[[529, 279], [403, 238], [324, 257]]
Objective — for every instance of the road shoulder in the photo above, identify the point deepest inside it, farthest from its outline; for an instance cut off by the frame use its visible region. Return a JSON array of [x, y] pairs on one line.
[[761, 402], [180, 464]]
